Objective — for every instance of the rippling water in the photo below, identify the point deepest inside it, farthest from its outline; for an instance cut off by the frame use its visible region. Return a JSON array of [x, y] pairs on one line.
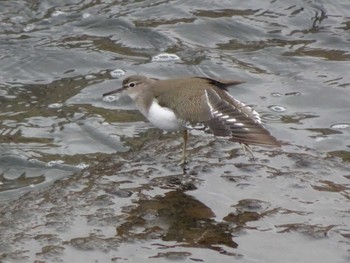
[[116, 176]]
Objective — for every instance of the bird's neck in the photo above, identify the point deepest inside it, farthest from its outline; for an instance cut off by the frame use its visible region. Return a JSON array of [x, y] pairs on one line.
[[143, 101]]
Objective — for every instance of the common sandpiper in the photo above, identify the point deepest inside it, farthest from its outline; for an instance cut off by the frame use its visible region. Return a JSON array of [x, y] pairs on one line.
[[202, 103]]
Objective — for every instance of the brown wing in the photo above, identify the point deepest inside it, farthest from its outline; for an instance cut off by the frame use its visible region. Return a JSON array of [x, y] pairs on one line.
[[232, 118], [221, 83], [205, 104]]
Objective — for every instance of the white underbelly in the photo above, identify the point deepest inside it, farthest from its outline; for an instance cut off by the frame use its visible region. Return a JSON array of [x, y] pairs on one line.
[[163, 118]]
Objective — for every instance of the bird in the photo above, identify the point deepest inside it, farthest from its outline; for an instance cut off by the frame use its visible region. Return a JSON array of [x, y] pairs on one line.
[[202, 103]]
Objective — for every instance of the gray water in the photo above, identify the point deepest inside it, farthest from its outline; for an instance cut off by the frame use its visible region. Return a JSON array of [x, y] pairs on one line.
[[84, 179]]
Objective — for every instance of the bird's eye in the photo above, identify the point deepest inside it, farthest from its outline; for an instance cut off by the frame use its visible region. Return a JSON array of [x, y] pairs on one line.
[[132, 84]]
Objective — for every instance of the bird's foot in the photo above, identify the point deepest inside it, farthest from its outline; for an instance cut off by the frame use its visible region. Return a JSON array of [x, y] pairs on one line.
[[183, 164], [247, 150]]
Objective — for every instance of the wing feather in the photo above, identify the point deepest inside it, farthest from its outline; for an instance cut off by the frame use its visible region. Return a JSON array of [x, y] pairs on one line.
[[232, 118]]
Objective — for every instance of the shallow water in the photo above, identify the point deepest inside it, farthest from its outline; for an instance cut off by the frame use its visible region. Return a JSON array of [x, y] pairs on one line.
[[86, 179]]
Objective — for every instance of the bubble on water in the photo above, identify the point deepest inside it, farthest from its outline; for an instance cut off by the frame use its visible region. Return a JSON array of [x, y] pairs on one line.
[[82, 166], [340, 126], [277, 108], [117, 73], [165, 57], [88, 77], [270, 117], [58, 13], [55, 105], [29, 28], [110, 98], [86, 15], [319, 139], [54, 163], [16, 18], [276, 94]]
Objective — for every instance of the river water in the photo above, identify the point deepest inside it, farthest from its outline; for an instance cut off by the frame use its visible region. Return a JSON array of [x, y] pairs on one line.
[[84, 179]]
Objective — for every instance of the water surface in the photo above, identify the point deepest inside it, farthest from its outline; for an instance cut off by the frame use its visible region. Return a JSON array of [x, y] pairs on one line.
[[87, 179]]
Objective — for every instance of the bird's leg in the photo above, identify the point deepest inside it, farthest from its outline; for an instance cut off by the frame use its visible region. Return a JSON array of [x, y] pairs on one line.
[[247, 149], [185, 136]]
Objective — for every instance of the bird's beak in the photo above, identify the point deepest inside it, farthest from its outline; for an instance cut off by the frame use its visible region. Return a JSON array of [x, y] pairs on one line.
[[112, 92]]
